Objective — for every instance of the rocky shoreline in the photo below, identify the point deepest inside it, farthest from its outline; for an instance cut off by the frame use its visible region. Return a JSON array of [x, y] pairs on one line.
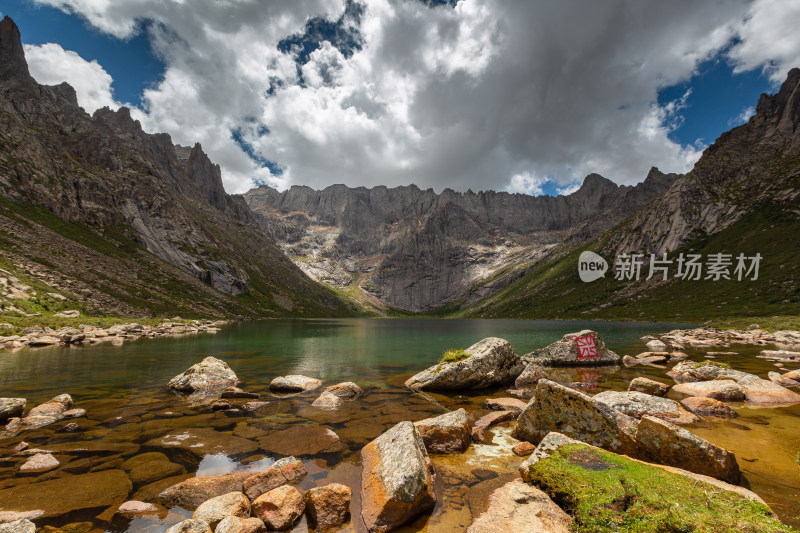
[[40, 336], [565, 437]]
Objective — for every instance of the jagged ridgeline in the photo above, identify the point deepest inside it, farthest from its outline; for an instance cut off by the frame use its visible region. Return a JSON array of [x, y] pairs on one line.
[[124, 222], [416, 250], [740, 198]]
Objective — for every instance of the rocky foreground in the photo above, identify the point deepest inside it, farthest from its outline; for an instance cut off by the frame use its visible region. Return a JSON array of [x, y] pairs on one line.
[[39, 336], [616, 461]]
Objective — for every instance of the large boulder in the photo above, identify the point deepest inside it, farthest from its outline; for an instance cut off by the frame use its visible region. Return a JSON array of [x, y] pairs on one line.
[[490, 362], [762, 391], [284, 471], [555, 407], [517, 507], [668, 444], [327, 507], [234, 524], [294, 383], [613, 490], [215, 509], [211, 374], [447, 433], [638, 404], [657, 345], [11, 408], [279, 508], [719, 389], [648, 386], [396, 479], [346, 389], [584, 348]]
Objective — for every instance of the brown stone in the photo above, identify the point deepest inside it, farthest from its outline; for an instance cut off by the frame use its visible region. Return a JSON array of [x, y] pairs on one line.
[[496, 417], [648, 386], [447, 433], [287, 470], [523, 448], [328, 506], [192, 492], [303, 439], [396, 479], [215, 509], [279, 508], [504, 404], [517, 507], [707, 407]]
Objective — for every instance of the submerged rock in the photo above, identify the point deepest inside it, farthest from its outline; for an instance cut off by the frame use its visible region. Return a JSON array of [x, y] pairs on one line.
[[328, 400], [236, 392], [53, 408], [490, 362], [447, 433], [327, 507], [41, 462], [192, 444], [517, 507], [396, 479], [211, 374], [279, 508], [584, 348], [62, 496], [294, 383], [648, 386], [284, 471], [346, 389], [303, 439]]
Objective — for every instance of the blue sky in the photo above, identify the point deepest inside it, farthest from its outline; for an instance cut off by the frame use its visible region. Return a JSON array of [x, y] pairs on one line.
[[339, 102], [131, 62]]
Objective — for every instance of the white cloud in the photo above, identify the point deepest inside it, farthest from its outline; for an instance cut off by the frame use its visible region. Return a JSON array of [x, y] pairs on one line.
[[525, 183], [569, 189], [490, 94], [50, 64], [769, 38], [742, 117]]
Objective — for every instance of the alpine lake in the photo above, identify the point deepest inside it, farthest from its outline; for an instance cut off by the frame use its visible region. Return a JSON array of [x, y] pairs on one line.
[[129, 407]]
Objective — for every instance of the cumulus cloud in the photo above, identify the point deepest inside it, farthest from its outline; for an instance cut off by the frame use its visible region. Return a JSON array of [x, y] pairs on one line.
[[768, 38], [50, 64], [488, 94]]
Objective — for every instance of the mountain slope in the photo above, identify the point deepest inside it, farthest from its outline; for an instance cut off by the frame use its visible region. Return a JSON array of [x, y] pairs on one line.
[[740, 198], [125, 222], [415, 250]]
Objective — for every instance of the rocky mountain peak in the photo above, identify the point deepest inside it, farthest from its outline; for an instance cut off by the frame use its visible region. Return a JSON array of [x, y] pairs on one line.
[[13, 67]]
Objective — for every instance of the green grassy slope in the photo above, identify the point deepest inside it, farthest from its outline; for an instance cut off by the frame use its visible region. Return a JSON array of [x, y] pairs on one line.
[[553, 289]]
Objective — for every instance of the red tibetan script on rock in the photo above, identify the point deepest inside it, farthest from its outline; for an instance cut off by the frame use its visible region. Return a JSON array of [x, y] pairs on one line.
[[587, 349]]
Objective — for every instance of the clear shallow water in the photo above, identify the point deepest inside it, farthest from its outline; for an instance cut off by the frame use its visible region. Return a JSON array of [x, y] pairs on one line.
[[123, 390]]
